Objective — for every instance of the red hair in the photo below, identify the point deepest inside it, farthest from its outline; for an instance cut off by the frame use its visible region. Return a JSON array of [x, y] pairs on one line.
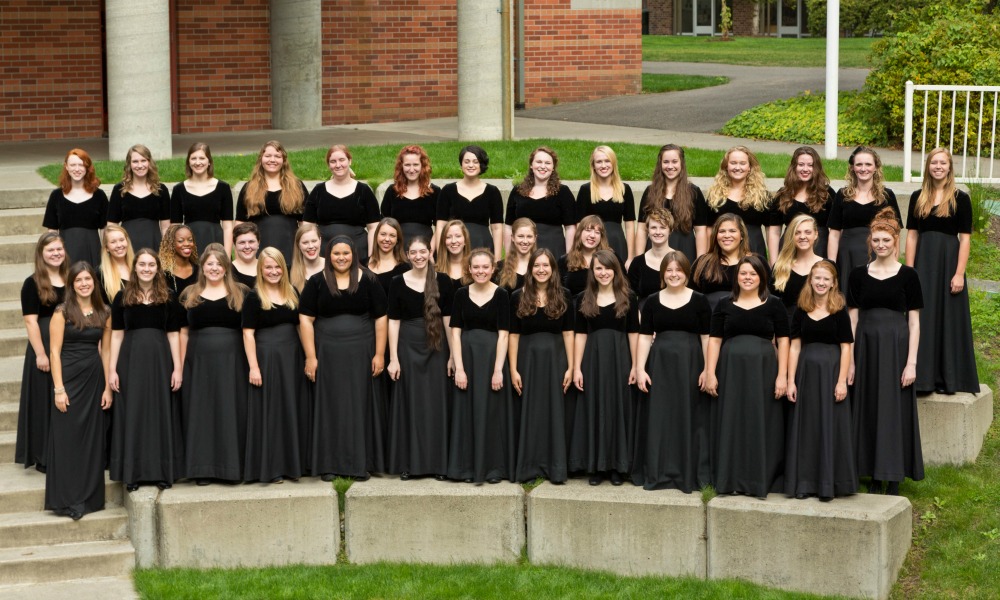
[[423, 180], [90, 180]]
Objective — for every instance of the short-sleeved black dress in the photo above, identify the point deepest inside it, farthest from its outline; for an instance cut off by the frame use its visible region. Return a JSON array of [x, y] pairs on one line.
[[179, 284], [477, 213], [203, 214], [679, 239], [79, 224], [756, 221], [796, 208], [644, 279], [616, 216], [415, 215], [343, 216], [714, 291], [140, 216], [277, 228], [852, 220], [550, 215]]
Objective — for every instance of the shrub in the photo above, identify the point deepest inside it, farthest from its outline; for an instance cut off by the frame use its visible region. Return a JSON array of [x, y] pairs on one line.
[[857, 17], [802, 120]]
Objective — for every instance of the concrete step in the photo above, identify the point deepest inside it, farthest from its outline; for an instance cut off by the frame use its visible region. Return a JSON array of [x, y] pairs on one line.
[[119, 588], [10, 314], [8, 416], [23, 490], [44, 528], [37, 564], [12, 278], [25, 198], [22, 221], [13, 342], [17, 248], [8, 440], [11, 368]]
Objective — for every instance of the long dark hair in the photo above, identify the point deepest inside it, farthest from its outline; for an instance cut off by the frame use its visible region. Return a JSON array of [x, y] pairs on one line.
[[433, 325], [619, 285], [555, 300], [708, 266], [158, 293], [817, 188], [71, 303], [682, 204], [46, 292], [330, 276]]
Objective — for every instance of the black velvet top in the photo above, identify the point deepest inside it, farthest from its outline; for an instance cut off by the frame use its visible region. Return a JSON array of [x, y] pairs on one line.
[[385, 279], [608, 210], [846, 214], [31, 304], [422, 210], [831, 329], [693, 317], [359, 208], [126, 207], [606, 318], [248, 280], [484, 209], [701, 210], [272, 205], [900, 293], [405, 303], [751, 216], [644, 279], [539, 322], [213, 207], [179, 284], [958, 222], [255, 317], [793, 287], [61, 213], [574, 281], [168, 316], [213, 313], [496, 278], [769, 320], [551, 210], [822, 216], [492, 316], [317, 301]]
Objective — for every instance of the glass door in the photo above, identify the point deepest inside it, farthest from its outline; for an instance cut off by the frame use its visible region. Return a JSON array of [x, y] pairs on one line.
[[788, 15], [704, 17]]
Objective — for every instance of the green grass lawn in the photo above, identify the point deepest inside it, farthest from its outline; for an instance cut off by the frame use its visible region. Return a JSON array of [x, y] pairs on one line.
[[655, 83], [508, 160], [762, 51]]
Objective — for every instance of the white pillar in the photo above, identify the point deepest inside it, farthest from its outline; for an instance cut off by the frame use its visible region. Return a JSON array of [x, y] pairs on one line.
[[138, 58], [296, 64], [832, 74], [480, 81]]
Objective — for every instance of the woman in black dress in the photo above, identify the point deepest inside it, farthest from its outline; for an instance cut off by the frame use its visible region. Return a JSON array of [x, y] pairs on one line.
[[474, 202], [819, 458], [714, 273], [78, 209], [795, 260], [853, 209], [140, 202], [117, 257], [246, 243], [307, 257], [343, 205], [279, 394], [644, 272], [806, 191], [939, 232], [343, 325], [544, 200], [214, 396], [541, 369], [609, 198], [146, 373], [419, 317], [604, 371], [273, 198], [412, 199], [740, 189], [748, 415], [453, 253], [575, 265], [484, 423], [885, 299], [41, 292], [512, 269], [203, 202], [74, 479], [388, 259], [179, 258], [672, 447], [670, 189]]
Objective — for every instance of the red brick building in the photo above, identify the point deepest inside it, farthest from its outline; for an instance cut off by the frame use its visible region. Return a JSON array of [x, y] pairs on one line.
[[382, 60], [784, 18]]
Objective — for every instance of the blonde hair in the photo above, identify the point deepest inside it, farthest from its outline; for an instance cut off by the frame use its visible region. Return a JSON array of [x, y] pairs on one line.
[[235, 291], [878, 178], [617, 186], [442, 251], [786, 256], [292, 196], [834, 298], [284, 285], [925, 201], [110, 278], [755, 194], [152, 176]]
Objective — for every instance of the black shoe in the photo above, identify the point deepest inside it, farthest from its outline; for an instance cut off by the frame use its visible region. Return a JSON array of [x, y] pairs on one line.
[[595, 479], [277, 480], [825, 498], [328, 477], [467, 480], [364, 477], [132, 487], [800, 496], [616, 478], [404, 476], [163, 485], [440, 477], [40, 468], [75, 515], [202, 481], [493, 480], [892, 489]]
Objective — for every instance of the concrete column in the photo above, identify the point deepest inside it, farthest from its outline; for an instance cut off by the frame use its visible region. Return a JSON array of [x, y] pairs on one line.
[[138, 49], [480, 80], [296, 64]]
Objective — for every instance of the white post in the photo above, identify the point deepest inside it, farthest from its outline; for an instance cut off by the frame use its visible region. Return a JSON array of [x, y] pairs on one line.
[[908, 133], [832, 74], [480, 67]]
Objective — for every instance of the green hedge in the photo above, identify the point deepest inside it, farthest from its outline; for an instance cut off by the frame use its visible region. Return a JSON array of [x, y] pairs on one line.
[[802, 120]]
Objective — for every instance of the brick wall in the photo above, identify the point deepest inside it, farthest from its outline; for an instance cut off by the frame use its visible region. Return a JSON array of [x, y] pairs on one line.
[[661, 17], [575, 55], [744, 17], [223, 65], [389, 60], [50, 70]]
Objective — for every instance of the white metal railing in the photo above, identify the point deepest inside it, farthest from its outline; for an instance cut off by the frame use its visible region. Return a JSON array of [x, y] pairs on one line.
[[985, 168]]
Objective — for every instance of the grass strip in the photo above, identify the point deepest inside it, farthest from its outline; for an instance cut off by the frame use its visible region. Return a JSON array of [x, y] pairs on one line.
[[754, 51], [655, 83]]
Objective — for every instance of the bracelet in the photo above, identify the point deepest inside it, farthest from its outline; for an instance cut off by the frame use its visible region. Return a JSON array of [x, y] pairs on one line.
[[59, 390]]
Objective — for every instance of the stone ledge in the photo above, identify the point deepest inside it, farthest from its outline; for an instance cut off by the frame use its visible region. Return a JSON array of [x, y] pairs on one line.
[[952, 428], [852, 546], [626, 529], [427, 521]]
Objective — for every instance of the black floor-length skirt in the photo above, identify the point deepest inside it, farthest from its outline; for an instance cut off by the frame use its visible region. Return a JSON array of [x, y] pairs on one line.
[[273, 446], [278, 231], [551, 237], [541, 362], [945, 359], [482, 420], [214, 404], [480, 236], [615, 233], [758, 243], [672, 447], [819, 457], [420, 411], [885, 424], [144, 233], [74, 479], [602, 428], [357, 233], [748, 422], [684, 242], [143, 430], [205, 233], [349, 404], [851, 252], [33, 415], [82, 244]]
